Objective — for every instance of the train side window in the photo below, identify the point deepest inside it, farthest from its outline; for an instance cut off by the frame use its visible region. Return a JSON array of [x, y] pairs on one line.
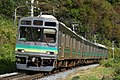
[[50, 35], [85, 48], [71, 42], [79, 44], [103, 51], [63, 38], [106, 51], [74, 41], [95, 49], [60, 37], [92, 49], [82, 47], [67, 40], [98, 50], [88, 48]]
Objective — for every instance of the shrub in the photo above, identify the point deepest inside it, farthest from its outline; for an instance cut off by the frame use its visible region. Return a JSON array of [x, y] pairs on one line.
[[7, 45], [76, 78], [107, 63]]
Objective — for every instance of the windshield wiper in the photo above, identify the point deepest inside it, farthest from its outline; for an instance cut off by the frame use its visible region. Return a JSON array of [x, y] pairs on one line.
[[46, 41]]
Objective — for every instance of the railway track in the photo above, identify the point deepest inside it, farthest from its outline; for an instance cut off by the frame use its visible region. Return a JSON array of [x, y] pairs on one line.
[[12, 77], [23, 76], [34, 75]]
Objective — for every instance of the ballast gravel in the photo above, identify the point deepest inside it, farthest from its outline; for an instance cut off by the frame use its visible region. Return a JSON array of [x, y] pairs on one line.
[[64, 74]]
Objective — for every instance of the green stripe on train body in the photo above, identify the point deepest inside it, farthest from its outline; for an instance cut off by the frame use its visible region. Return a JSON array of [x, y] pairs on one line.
[[36, 48]]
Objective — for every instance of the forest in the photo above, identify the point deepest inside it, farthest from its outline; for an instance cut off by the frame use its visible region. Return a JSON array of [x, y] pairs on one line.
[[95, 19], [100, 18]]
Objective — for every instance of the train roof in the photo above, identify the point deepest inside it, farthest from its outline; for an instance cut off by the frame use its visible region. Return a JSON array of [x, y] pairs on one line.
[[40, 17], [100, 45], [82, 38], [47, 16]]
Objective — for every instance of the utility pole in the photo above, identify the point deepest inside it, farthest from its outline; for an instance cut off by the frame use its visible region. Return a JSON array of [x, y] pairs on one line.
[[113, 48], [94, 38], [15, 14], [73, 27], [53, 10], [32, 7]]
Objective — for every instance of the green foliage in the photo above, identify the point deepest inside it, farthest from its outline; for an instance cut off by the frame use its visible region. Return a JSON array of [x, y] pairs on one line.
[[106, 63], [114, 64], [97, 17], [113, 1], [92, 78], [76, 78], [7, 43], [7, 7]]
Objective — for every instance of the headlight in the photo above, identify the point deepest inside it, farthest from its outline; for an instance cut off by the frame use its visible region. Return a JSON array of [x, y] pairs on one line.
[[21, 50], [48, 52], [33, 59]]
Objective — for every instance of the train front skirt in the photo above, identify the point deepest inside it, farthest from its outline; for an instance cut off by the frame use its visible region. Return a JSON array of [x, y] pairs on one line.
[[31, 68]]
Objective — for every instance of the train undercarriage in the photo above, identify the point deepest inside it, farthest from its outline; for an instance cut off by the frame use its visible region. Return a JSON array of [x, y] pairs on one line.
[[35, 63]]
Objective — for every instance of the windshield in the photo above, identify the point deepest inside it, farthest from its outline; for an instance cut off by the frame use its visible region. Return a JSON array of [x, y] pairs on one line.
[[37, 34]]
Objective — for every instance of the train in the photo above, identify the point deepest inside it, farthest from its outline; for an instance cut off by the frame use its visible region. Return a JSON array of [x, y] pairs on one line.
[[44, 43]]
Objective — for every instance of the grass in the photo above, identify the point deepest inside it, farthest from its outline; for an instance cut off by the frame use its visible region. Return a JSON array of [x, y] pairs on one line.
[[92, 74]]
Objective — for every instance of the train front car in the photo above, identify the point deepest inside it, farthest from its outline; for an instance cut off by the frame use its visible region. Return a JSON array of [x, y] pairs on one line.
[[36, 46]]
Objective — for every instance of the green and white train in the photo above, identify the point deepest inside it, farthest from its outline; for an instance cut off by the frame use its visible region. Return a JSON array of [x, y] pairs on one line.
[[44, 43]]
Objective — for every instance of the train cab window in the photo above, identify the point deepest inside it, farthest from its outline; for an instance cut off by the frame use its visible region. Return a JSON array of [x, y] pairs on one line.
[[50, 24], [49, 35], [25, 22], [30, 34], [38, 22]]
